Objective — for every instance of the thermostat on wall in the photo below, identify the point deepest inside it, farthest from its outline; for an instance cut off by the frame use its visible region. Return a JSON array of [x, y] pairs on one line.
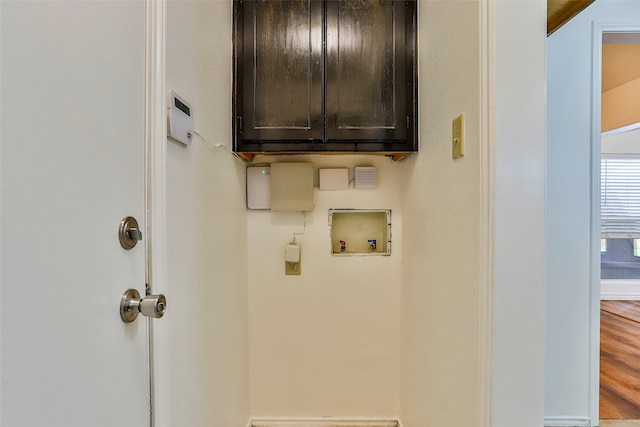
[[180, 119]]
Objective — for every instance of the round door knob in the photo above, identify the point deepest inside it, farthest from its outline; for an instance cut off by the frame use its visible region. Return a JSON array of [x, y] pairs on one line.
[[153, 306], [150, 306]]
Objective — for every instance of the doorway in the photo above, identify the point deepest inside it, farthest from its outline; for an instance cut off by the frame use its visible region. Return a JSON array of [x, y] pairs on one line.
[[616, 155]]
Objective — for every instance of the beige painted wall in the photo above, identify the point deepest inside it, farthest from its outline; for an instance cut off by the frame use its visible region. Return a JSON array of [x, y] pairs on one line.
[[327, 342], [206, 219], [370, 336], [441, 206], [383, 336], [363, 334], [352, 337]]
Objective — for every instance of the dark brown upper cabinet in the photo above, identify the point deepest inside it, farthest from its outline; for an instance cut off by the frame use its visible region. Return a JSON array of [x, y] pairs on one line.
[[333, 76]]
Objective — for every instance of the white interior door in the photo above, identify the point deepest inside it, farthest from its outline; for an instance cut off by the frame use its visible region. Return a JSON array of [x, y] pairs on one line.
[[72, 166]]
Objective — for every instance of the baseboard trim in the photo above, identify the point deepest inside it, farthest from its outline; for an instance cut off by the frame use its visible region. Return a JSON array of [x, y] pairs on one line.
[[567, 422], [324, 422], [620, 289]]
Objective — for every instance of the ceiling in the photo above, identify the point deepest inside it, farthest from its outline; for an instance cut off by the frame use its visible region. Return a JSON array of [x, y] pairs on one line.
[[620, 80], [620, 64], [561, 11]]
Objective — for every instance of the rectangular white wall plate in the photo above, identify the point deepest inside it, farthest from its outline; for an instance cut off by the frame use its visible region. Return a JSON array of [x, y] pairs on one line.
[[334, 179], [258, 187], [179, 119]]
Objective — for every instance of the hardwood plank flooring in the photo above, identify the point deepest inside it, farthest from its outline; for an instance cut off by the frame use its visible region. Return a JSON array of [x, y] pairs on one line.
[[620, 360], [619, 423], [628, 309]]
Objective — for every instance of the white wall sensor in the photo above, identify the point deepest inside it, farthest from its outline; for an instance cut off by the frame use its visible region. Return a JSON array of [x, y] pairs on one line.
[[179, 119], [258, 187]]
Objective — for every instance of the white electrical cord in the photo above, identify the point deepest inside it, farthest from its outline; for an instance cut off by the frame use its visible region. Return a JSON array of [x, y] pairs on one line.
[[304, 218], [206, 142]]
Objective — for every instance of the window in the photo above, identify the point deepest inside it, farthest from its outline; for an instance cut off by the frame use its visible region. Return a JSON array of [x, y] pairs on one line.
[[620, 218], [620, 197]]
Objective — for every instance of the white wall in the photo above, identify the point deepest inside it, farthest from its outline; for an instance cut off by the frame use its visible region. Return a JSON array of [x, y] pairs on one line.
[[371, 336], [430, 297], [327, 342], [568, 337], [446, 252], [441, 242], [621, 143], [206, 217], [519, 213], [358, 336]]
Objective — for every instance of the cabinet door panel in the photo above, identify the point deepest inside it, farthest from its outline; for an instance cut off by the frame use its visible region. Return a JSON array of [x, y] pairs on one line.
[[334, 75], [283, 70], [366, 70]]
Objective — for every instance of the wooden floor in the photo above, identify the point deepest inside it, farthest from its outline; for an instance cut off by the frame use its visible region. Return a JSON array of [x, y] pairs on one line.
[[620, 360]]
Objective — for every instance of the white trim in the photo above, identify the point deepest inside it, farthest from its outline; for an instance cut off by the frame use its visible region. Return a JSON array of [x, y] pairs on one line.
[[566, 422], [594, 238], [620, 289], [323, 422], [594, 270], [487, 214], [155, 187], [622, 129]]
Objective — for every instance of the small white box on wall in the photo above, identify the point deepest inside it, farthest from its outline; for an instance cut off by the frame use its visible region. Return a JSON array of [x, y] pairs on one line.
[[179, 119], [258, 187], [365, 177], [334, 179]]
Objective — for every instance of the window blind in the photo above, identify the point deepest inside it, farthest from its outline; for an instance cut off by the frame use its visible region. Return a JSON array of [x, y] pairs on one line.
[[620, 198]]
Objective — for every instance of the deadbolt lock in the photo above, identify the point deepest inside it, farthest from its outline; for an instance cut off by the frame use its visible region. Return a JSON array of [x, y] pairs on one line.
[[129, 232]]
